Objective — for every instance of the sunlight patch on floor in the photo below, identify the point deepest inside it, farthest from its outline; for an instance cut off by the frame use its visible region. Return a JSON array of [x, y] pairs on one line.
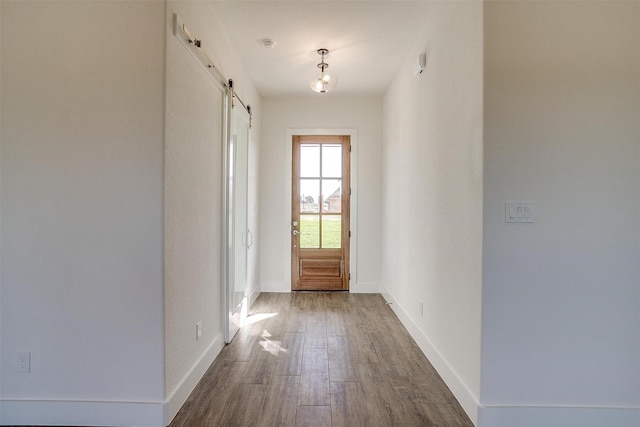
[[272, 347], [254, 318]]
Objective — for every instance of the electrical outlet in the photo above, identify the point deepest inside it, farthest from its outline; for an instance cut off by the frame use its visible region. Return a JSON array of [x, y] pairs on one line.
[[198, 330], [24, 362]]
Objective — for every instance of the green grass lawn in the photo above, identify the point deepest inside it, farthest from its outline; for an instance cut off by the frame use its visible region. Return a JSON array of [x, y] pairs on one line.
[[331, 232]]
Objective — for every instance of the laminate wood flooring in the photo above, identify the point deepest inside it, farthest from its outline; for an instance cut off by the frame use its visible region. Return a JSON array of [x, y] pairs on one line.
[[321, 359]]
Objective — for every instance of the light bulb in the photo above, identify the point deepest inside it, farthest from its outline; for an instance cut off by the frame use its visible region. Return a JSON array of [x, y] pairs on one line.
[[323, 84]]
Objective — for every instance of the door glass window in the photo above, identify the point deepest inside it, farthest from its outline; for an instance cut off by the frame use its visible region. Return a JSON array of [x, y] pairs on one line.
[[309, 195], [310, 161], [310, 231], [320, 196], [332, 160], [331, 195], [331, 231]]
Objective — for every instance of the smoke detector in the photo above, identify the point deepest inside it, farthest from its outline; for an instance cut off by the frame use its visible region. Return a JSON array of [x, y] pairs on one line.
[[268, 43]]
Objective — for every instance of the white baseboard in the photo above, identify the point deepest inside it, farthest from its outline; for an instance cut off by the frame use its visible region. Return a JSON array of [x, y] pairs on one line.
[[467, 399], [364, 288], [107, 413], [81, 413], [253, 297], [275, 286], [182, 391], [501, 416]]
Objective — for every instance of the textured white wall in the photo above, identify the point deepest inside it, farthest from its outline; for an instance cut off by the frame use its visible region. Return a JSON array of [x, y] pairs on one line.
[[193, 211], [561, 300], [280, 114], [432, 195], [193, 197], [82, 162]]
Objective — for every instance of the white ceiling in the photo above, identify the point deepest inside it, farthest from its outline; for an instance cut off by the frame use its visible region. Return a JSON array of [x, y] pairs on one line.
[[367, 40]]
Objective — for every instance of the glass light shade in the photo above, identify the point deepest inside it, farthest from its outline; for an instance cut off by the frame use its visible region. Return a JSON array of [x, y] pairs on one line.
[[323, 83]]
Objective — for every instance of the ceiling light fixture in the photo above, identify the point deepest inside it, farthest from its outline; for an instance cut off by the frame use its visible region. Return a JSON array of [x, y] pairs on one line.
[[325, 82]]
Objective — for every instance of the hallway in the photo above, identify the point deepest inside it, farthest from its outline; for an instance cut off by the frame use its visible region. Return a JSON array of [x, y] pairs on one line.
[[321, 359]]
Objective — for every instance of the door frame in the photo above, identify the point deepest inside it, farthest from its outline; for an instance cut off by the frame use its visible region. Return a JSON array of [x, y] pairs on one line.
[[286, 220]]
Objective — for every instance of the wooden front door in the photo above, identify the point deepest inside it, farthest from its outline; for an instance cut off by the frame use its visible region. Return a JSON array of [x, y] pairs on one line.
[[321, 190]]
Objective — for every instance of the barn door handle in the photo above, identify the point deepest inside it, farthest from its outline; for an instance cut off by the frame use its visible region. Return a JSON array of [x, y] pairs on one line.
[[249, 238]]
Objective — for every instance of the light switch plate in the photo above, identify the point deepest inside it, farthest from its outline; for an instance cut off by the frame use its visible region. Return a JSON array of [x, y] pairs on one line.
[[521, 212], [198, 330]]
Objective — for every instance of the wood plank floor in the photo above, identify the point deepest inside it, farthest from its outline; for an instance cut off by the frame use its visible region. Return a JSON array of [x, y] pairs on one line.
[[321, 359]]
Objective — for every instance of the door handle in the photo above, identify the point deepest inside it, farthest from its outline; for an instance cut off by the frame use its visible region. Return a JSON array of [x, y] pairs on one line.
[[296, 232], [249, 234]]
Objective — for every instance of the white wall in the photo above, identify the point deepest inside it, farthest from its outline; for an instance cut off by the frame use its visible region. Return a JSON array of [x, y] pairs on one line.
[[82, 163], [193, 211], [432, 195], [0, 204], [193, 198], [561, 299], [86, 286], [318, 112]]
